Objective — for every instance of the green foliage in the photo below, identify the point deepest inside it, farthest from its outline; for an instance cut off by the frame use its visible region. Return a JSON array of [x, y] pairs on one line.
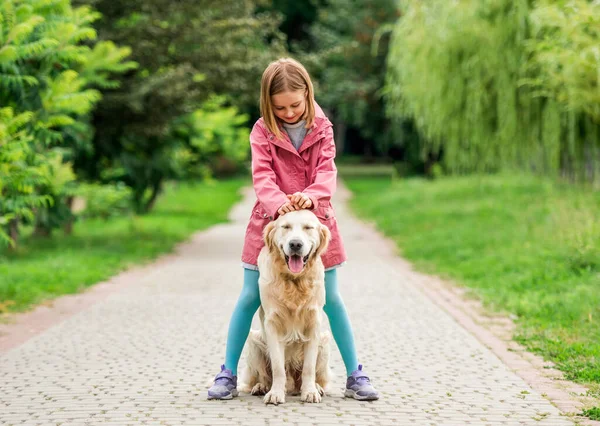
[[22, 171], [455, 69], [60, 187], [50, 70], [187, 51], [104, 201], [349, 66], [564, 65], [48, 66], [524, 245], [492, 84], [565, 39], [43, 268], [216, 137], [298, 16], [592, 413]]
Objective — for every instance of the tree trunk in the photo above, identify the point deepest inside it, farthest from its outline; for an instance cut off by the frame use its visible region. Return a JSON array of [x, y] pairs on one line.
[[68, 229], [41, 223], [41, 231], [13, 232], [156, 190]]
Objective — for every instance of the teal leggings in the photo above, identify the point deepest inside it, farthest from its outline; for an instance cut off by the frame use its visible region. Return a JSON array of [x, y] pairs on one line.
[[248, 304]]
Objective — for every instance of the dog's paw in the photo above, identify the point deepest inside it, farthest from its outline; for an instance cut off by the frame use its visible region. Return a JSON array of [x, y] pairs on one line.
[[310, 395], [320, 389], [275, 396], [259, 389]]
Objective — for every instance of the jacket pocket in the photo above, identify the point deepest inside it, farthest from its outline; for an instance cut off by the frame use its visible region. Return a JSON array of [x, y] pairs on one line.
[[325, 213], [258, 221], [261, 213]]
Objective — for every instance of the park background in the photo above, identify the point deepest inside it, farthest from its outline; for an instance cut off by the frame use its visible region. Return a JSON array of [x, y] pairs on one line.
[[468, 132]]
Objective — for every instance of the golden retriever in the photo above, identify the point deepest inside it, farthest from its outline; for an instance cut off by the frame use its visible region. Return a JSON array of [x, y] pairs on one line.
[[290, 353]]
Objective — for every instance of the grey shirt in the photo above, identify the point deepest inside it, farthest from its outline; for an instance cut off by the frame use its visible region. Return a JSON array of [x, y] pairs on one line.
[[296, 132]]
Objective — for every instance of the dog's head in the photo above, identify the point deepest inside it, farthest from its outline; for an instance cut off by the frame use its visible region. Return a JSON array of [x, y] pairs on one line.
[[297, 238]]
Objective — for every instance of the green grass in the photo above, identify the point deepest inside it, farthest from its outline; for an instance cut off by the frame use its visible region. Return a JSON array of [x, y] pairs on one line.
[[592, 413], [44, 268], [354, 170], [523, 245], [354, 166]]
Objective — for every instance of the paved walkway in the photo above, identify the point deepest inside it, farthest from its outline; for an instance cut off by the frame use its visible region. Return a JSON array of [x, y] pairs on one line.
[[144, 354]]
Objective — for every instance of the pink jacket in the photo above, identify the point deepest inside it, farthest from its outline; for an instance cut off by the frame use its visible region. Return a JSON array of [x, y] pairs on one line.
[[278, 169]]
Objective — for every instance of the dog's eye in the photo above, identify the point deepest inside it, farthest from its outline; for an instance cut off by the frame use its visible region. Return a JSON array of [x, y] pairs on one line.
[[308, 228], [286, 227]]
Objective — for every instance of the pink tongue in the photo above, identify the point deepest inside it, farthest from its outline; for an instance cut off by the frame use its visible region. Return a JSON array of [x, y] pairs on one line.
[[296, 264]]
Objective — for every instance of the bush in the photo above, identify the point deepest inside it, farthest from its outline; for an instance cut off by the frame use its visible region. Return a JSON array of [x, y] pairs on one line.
[[104, 201]]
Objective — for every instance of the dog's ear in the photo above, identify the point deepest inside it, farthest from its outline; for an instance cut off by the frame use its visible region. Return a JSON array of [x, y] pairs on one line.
[[324, 238], [269, 235]]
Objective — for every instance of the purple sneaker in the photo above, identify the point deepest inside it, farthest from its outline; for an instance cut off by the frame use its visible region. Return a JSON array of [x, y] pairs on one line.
[[225, 386], [358, 386]]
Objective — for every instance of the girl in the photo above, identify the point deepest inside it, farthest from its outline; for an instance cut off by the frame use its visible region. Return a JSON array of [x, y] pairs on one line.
[[292, 168]]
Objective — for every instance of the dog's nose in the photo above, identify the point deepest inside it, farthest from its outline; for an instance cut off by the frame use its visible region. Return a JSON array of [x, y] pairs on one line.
[[295, 245]]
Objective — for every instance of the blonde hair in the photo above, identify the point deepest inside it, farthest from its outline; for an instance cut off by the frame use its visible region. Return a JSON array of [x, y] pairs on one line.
[[285, 75]]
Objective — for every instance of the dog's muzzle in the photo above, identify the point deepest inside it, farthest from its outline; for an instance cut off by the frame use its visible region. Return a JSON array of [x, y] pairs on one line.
[[296, 258]]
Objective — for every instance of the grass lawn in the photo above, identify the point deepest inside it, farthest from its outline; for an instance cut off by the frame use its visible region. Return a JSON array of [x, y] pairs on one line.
[[44, 268], [525, 246]]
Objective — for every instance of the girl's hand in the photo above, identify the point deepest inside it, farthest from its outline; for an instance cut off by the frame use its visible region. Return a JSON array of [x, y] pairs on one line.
[[287, 207], [300, 200]]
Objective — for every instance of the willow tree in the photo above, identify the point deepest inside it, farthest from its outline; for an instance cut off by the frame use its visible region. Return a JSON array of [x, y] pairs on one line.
[[480, 80], [565, 63]]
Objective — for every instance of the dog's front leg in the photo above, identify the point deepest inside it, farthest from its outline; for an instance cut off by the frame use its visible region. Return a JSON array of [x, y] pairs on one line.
[[277, 354], [308, 391]]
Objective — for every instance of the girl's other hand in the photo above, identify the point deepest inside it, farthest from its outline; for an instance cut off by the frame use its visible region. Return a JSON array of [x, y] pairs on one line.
[[287, 207], [301, 200]]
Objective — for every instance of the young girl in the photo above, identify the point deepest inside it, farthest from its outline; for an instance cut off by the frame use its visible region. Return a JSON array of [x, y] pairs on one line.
[[292, 168]]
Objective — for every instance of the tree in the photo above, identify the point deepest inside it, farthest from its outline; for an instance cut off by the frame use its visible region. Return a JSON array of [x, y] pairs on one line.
[[349, 66], [297, 19], [187, 50], [21, 172], [503, 84], [49, 82]]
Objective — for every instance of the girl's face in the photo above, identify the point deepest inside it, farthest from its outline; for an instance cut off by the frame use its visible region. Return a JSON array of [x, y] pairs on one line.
[[289, 106]]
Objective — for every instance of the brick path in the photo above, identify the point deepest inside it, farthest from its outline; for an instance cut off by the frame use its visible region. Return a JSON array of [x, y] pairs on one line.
[[144, 354]]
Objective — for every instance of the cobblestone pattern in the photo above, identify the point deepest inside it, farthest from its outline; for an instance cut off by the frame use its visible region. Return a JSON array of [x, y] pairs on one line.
[[145, 354]]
